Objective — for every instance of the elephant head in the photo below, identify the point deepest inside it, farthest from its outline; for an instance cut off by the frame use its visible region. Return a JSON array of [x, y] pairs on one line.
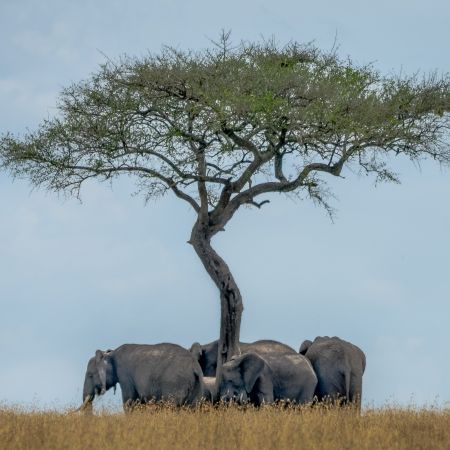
[[100, 376], [239, 379], [304, 347], [206, 355]]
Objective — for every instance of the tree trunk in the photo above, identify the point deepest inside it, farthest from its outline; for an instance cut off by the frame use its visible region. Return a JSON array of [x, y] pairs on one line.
[[230, 297]]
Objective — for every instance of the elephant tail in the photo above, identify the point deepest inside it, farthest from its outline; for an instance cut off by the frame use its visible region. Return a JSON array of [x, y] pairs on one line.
[[347, 385]]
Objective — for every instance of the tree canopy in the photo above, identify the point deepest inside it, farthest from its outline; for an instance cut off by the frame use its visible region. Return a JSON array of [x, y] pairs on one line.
[[223, 126]]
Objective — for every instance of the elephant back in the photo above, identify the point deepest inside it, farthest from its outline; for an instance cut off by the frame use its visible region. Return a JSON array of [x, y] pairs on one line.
[[293, 376], [267, 347]]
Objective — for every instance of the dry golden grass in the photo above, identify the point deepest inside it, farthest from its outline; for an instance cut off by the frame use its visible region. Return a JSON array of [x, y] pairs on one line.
[[228, 428]]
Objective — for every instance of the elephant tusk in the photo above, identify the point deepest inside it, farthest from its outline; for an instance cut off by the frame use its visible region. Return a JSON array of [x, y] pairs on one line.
[[85, 403]]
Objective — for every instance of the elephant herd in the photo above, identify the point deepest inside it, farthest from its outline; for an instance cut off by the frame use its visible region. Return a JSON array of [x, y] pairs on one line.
[[264, 372]]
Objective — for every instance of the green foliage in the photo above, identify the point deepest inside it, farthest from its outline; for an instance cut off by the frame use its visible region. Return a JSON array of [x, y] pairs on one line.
[[227, 116]]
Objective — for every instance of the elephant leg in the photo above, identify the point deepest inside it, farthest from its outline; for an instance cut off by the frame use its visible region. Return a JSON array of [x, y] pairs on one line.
[[264, 397], [331, 388], [356, 389], [129, 398], [195, 394], [306, 395], [262, 392]]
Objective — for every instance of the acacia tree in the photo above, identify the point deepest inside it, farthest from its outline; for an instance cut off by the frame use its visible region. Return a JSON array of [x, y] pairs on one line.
[[223, 127]]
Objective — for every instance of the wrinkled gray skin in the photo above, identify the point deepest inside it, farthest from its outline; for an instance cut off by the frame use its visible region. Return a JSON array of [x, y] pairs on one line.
[[339, 366], [145, 372], [273, 371], [259, 379], [207, 354]]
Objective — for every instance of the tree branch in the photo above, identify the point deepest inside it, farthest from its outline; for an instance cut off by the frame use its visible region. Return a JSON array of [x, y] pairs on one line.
[[279, 168], [199, 153], [258, 205], [170, 183], [221, 217], [240, 141]]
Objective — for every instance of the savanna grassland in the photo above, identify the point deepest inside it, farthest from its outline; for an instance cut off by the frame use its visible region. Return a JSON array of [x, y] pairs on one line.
[[228, 428]]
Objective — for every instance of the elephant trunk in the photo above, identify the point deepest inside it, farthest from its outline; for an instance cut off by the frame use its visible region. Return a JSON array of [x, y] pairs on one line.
[[87, 404], [88, 394]]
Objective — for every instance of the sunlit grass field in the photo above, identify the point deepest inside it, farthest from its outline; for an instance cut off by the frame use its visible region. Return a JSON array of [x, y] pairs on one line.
[[165, 427]]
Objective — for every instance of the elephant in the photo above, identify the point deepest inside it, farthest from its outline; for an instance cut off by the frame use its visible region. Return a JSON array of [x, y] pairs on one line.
[[207, 354], [339, 366], [258, 379], [145, 373]]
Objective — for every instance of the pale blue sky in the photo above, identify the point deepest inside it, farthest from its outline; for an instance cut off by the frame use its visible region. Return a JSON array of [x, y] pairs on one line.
[[77, 277]]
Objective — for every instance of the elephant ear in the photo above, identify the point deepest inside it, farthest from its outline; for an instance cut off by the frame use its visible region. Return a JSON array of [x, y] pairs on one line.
[[304, 347], [251, 366], [196, 350], [101, 360], [98, 356]]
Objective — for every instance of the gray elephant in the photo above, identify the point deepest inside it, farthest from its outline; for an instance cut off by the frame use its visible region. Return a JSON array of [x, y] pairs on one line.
[[339, 366], [145, 373], [259, 379], [273, 372], [206, 354]]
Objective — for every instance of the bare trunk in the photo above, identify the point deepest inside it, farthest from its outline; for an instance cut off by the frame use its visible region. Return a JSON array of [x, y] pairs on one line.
[[230, 297]]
